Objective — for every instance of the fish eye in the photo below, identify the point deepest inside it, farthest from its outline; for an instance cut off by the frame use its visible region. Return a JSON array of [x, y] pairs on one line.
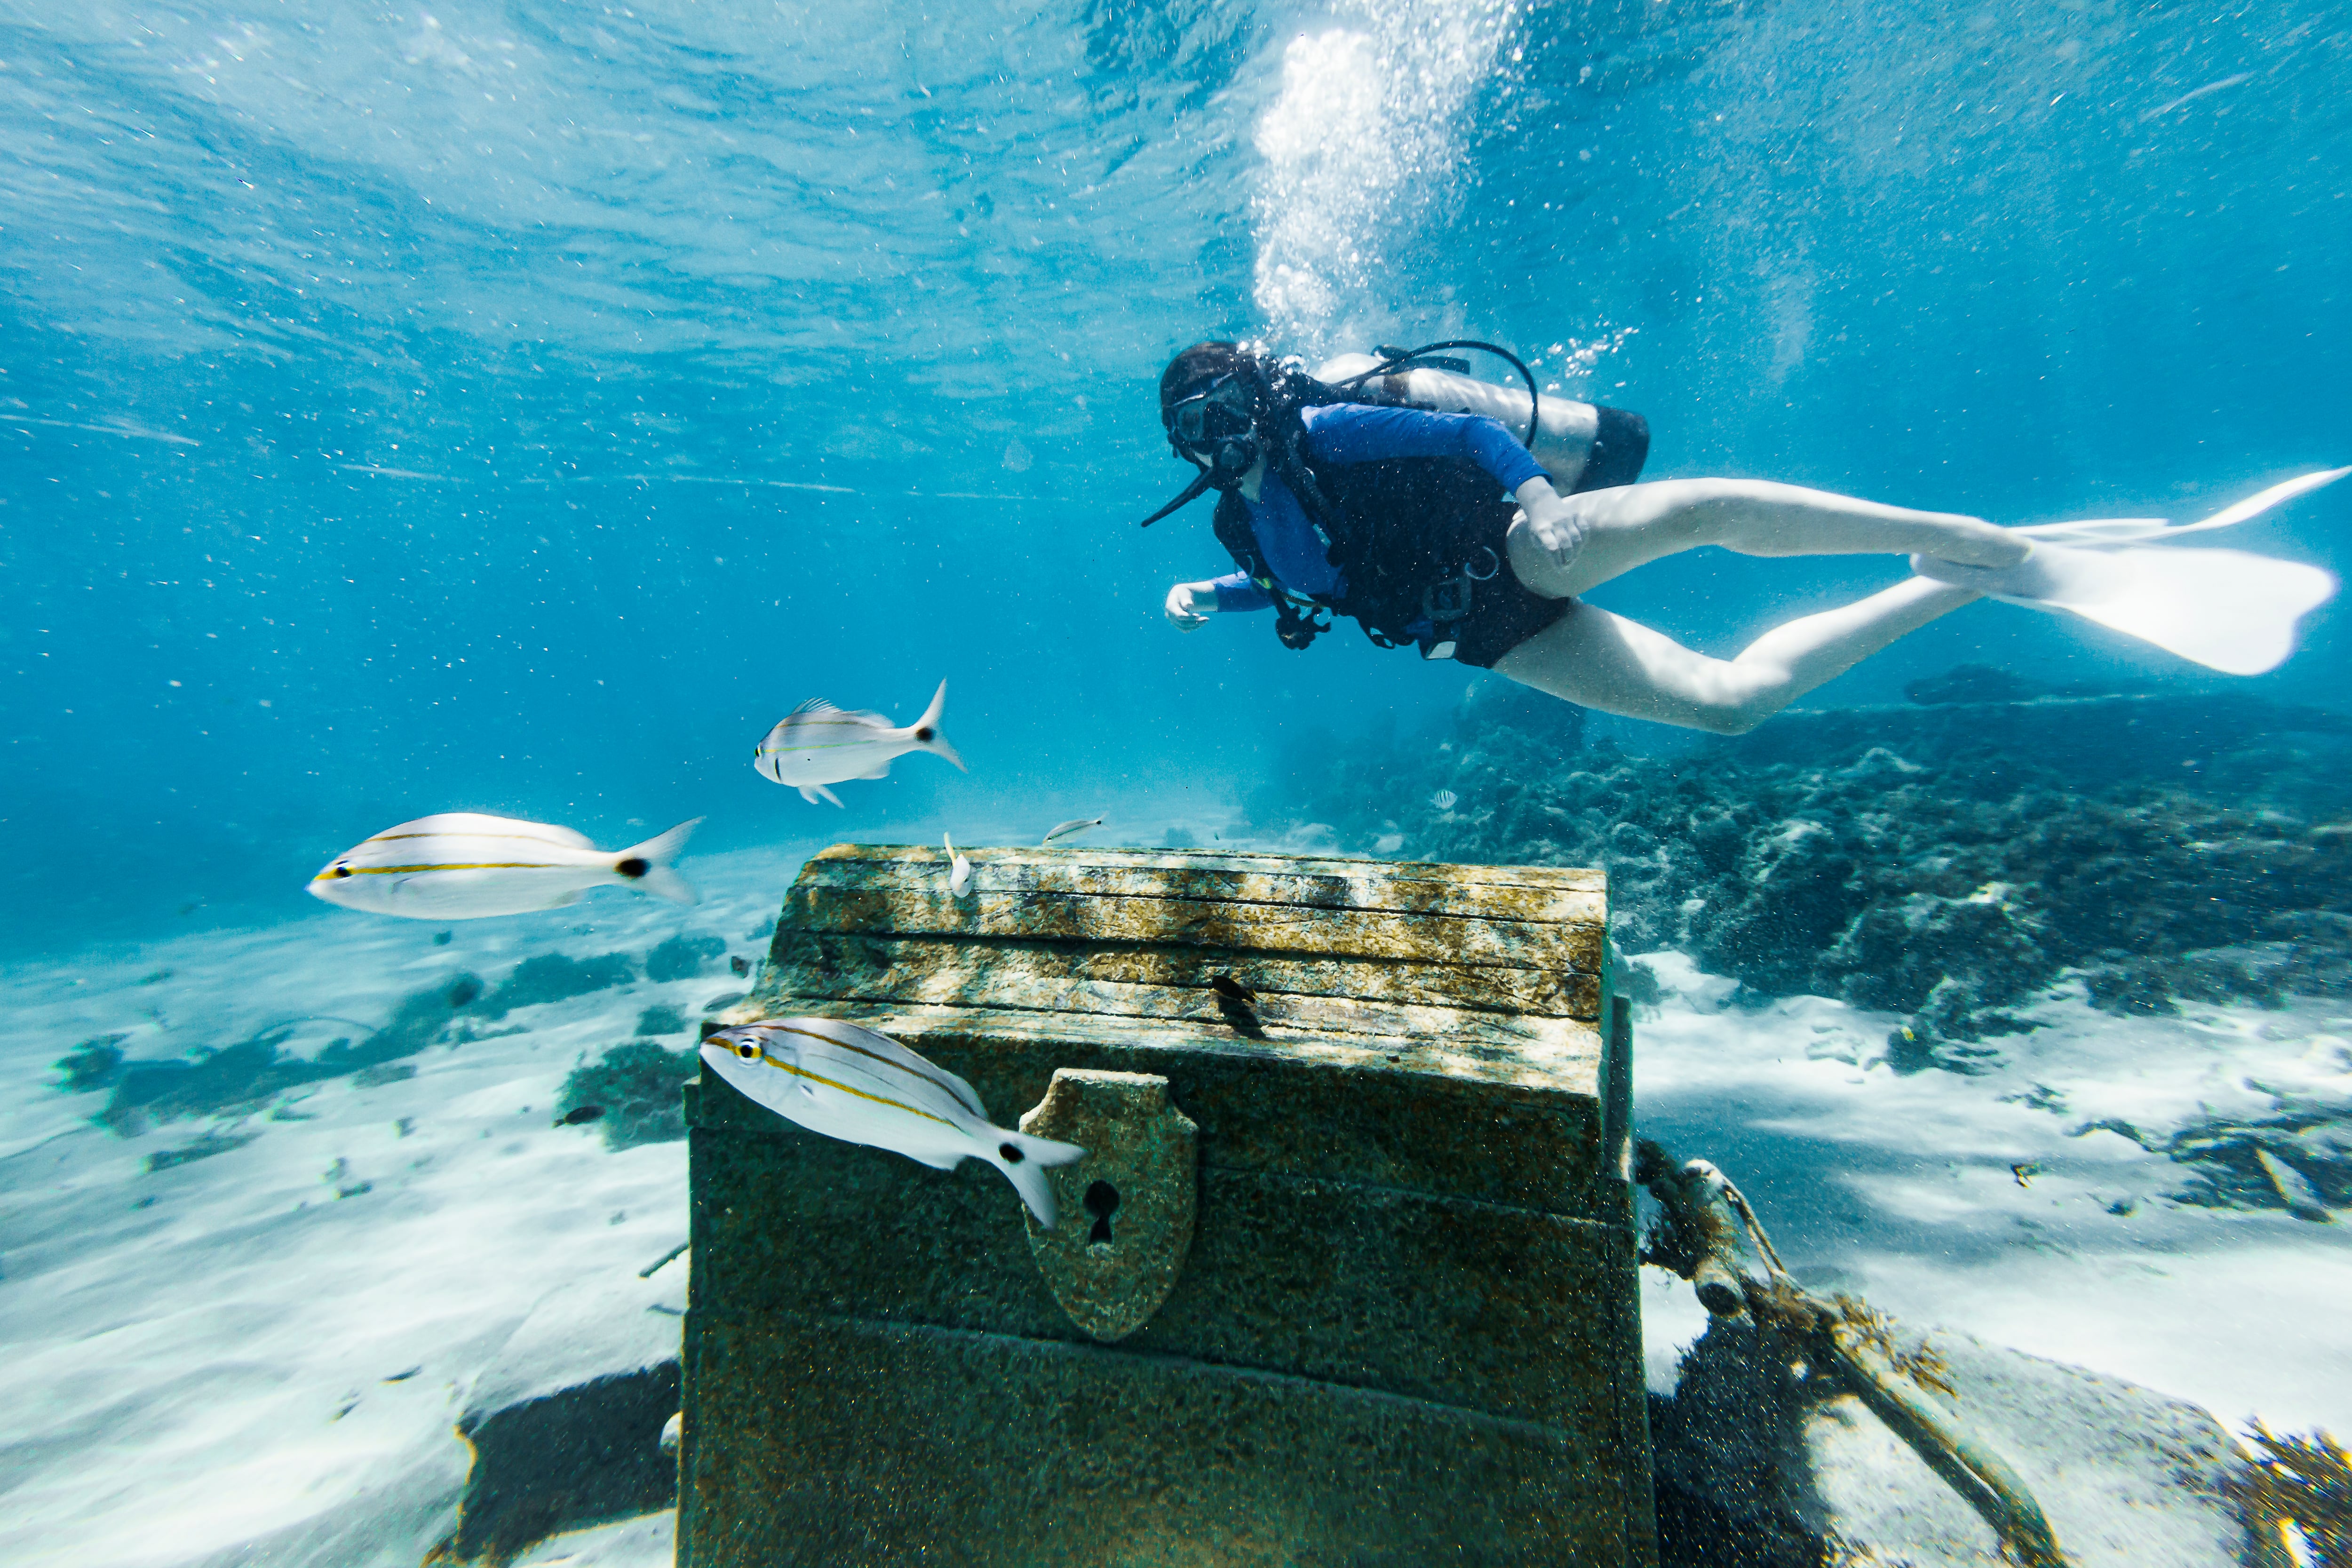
[[747, 1050], [340, 871]]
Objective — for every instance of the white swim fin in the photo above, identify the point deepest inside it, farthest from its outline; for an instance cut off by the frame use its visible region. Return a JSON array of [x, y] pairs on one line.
[[2229, 610], [814, 793]]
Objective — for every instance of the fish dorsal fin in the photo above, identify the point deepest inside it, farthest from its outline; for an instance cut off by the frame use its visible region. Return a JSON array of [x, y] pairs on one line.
[[814, 705]]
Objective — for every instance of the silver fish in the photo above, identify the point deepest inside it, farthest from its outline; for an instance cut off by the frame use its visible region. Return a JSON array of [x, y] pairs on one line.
[[1444, 800], [1064, 829], [855, 1084], [817, 744], [959, 869], [464, 865]]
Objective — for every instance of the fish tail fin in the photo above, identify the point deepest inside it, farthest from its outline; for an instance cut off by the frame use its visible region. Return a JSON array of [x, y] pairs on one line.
[[1025, 1162], [928, 734], [647, 864]]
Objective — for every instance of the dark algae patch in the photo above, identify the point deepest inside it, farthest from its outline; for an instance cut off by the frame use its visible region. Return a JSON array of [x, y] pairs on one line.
[[557, 977], [684, 956], [639, 1087], [248, 1074]]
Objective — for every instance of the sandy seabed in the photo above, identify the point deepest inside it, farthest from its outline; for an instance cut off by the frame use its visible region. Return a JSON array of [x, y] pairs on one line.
[[258, 1355]]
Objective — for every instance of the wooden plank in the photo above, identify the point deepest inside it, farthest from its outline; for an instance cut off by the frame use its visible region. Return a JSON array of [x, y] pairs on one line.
[[1559, 1055], [1173, 923], [889, 966], [1570, 878], [1535, 894], [1278, 1018]]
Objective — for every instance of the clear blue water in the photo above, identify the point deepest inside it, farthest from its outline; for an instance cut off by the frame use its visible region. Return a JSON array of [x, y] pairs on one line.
[[519, 406]]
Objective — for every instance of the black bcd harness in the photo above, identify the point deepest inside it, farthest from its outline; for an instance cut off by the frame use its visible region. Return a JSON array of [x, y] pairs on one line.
[[1411, 538]]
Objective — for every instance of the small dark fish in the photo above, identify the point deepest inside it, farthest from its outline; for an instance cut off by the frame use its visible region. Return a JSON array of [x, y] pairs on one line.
[[403, 1376], [740, 964], [2024, 1174], [579, 1115], [1231, 990]]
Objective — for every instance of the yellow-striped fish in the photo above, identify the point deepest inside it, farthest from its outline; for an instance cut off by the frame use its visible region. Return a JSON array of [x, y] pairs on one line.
[[463, 865], [852, 1083], [817, 744]]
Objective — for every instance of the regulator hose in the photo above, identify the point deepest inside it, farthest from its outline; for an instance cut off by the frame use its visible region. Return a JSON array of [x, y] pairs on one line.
[[1535, 398]]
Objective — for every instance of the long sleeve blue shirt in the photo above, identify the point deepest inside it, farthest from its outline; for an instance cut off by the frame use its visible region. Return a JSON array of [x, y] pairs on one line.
[[1360, 433]]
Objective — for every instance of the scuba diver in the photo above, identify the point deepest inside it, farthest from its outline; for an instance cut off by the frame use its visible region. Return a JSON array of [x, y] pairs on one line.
[[1465, 518]]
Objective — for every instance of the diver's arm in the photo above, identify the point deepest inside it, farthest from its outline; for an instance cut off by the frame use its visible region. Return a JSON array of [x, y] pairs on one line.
[[1189, 605], [1368, 433]]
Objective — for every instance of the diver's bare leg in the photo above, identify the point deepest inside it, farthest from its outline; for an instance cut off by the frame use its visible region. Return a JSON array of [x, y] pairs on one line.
[[1631, 525], [1602, 660]]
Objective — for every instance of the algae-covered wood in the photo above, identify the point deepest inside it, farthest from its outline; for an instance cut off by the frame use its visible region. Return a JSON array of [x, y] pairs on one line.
[[1405, 1328], [1494, 972]]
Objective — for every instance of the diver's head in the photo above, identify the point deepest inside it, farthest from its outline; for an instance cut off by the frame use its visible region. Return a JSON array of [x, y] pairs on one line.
[[1207, 409]]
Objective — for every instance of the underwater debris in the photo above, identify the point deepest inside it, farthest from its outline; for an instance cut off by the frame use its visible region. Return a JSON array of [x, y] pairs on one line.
[[556, 977], [639, 1085], [740, 966], [664, 1261], [1714, 1240], [682, 957], [2305, 1482], [203, 1148], [2302, 1199], [581, 1457]]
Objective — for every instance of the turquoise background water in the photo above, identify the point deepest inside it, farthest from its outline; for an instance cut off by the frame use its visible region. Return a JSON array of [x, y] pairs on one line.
[[519, 407]]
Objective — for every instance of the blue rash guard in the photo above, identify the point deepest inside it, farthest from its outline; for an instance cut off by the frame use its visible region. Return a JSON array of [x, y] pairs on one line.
[[1360, 433]]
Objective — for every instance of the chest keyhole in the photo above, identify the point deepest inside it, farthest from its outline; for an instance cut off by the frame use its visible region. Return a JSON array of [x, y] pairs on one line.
[[1102, 1202]]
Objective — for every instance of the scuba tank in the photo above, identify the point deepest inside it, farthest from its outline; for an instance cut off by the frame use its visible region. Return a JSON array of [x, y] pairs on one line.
[[1585, 446]]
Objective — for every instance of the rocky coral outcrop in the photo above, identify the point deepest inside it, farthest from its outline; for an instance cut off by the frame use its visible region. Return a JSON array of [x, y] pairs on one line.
[[1946, 860]]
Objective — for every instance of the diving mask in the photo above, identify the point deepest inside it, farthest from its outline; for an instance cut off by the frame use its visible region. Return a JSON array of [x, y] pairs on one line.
[[1216, 413]]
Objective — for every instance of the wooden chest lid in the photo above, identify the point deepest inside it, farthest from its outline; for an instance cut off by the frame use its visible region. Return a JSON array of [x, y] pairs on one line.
[[1484, 973]]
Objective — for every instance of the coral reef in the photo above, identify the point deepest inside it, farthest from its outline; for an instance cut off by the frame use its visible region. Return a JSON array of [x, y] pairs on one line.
[[1947, 860]]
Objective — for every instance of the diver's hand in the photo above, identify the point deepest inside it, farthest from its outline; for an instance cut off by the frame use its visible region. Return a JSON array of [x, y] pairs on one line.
[[1189, 605], [1555, 530]]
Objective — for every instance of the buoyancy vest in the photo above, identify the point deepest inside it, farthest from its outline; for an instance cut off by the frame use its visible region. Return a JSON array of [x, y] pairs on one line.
[[1399, 531]]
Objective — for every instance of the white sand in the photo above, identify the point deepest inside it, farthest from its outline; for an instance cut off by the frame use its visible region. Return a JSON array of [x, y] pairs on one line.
[[1901, 1189], [199, 1358]]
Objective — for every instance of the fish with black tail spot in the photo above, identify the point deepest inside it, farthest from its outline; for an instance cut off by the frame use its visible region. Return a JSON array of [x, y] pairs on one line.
[[858, 1085], [818, 744], [465, 865]]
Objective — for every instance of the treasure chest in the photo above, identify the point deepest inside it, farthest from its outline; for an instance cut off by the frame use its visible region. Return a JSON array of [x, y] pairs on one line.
[[1347, 1274]]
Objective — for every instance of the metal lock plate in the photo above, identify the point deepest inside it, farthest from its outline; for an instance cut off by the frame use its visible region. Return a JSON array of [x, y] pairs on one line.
[[1125, 1208]]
